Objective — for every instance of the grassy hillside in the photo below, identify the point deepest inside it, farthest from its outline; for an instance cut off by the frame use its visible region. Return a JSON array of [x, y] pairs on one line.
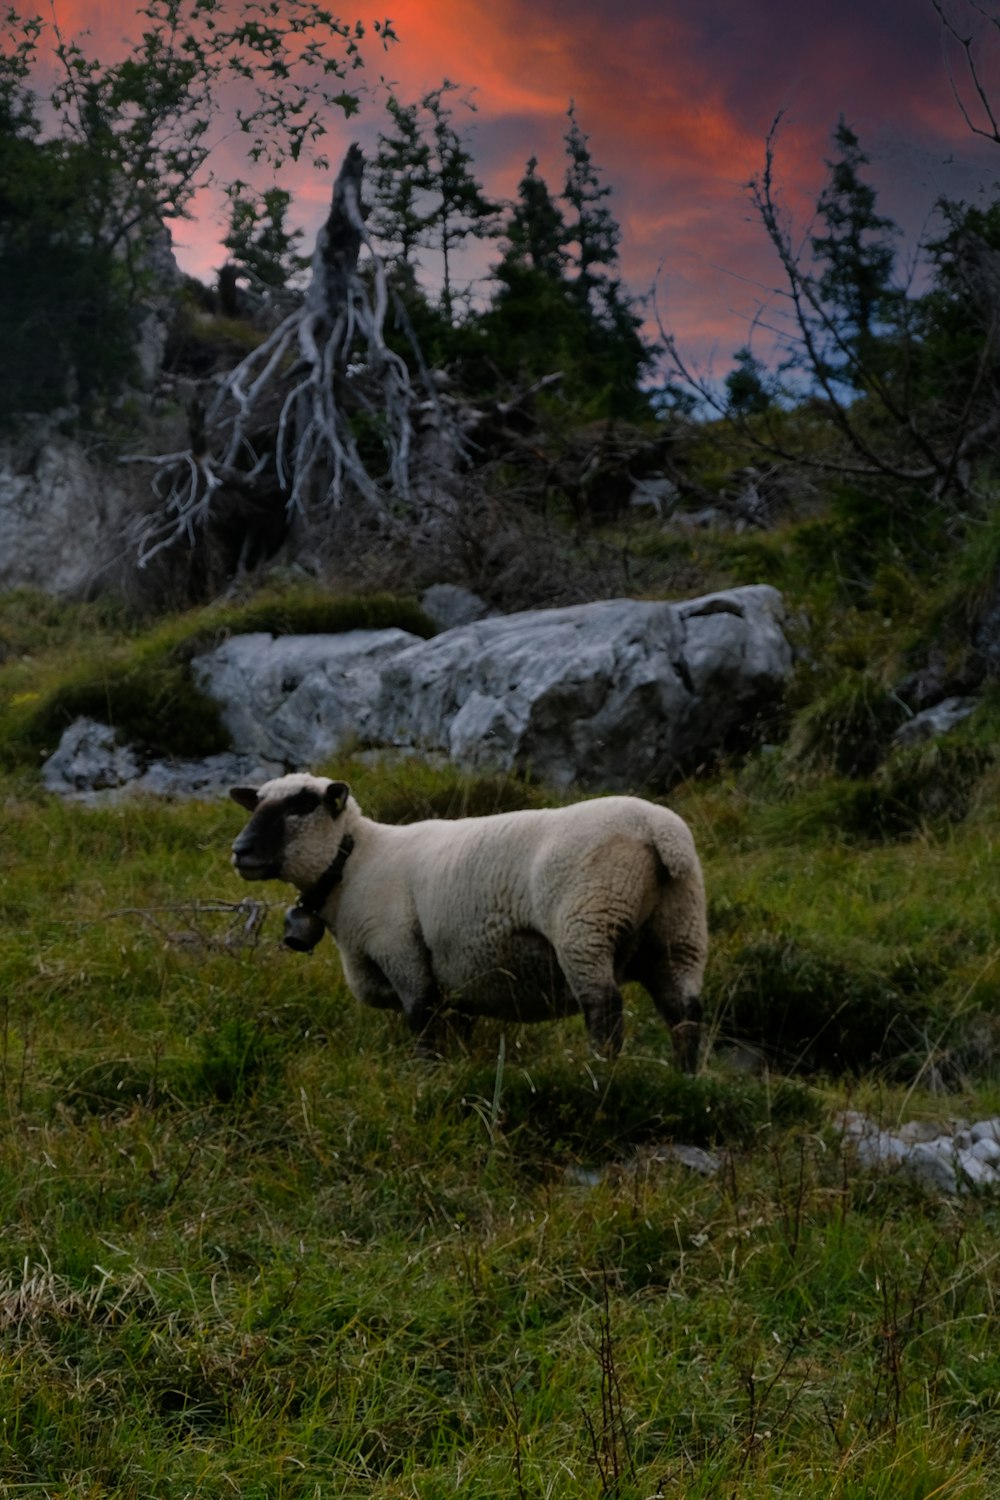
[[251, 1245]]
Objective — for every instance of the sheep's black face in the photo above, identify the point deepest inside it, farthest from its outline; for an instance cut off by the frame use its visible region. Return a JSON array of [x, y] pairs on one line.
[[258, 852], [262, 850]]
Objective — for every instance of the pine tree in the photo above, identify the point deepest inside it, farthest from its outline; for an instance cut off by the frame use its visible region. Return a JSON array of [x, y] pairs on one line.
[[594, 231], [400, 180], [536, 230], [747, 385], [259, 242], [460, 209], [856, 257]]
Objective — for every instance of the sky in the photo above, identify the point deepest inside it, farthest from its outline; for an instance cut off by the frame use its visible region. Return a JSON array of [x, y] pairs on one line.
[[676, 97]]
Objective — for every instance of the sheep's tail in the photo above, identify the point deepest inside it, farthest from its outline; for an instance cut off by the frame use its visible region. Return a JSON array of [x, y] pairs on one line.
[[674, 845]]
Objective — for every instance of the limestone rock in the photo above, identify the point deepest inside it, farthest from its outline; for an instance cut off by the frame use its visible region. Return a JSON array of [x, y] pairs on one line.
[[944, 1158], [623, 693], [61, 513], [90, 766], [932, 722], [448, 605], [89, 759], [298, 699]]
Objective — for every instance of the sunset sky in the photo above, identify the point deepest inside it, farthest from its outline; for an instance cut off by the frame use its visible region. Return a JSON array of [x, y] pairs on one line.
[[677, 97]]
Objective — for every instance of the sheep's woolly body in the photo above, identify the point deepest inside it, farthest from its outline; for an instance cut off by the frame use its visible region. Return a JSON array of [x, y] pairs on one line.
[[523, 915]]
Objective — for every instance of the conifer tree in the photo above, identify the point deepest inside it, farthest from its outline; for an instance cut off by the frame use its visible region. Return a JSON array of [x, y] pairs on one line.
[[259, 241], [856, 256], [594, 230], [746, 385], [400, 180], [536, 229], [460, 208]]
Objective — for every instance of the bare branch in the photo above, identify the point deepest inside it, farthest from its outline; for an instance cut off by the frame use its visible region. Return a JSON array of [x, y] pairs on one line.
[[292, 406], [990, 132]]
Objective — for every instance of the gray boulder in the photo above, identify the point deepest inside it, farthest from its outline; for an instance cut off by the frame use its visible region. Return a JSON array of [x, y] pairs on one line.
[[932, 722], [448, 605], [89, 759], [623, 693], [944, 1157], [620, 693], [298, 699], [90, 766]]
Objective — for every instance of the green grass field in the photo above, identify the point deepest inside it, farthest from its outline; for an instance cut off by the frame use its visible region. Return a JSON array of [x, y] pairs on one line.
[[251, 1245]]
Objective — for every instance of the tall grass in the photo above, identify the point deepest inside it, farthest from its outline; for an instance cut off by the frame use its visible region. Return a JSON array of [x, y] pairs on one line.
[[250, 1244]]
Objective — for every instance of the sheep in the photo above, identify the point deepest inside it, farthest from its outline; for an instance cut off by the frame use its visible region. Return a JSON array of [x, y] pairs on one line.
[[523, 916]]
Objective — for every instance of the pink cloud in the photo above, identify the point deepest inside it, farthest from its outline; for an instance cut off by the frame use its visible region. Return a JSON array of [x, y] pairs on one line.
[[677, 99]]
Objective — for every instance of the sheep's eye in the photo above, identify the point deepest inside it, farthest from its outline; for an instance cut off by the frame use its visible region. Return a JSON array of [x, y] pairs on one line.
[[302, 804]]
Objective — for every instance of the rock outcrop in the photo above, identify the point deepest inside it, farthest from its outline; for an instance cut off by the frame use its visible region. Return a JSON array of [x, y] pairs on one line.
[[61, 514], [623, 693], [944, 1157], [91, 766], [299, 699]]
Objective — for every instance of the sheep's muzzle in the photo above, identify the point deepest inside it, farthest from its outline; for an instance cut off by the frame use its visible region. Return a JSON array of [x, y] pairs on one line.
[[252, 867]]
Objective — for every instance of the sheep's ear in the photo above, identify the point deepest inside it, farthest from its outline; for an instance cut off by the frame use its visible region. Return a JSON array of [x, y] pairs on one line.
[[246, 796], [335, 798]]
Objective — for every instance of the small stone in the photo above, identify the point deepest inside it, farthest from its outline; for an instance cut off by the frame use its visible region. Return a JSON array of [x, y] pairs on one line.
[[932, 1166], [981, 1172], [919, 1130], [694, 1157]]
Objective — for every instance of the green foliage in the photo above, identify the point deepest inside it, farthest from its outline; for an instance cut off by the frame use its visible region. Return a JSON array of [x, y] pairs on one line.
[[460, 209], [803, 1006], [259, 242], [125, 147], [536, 232], [426, 193], [747, 390], [848, 729], [143, 687], [411, 791], [400, 178], [600, 1117], [961, 620], [542, 319], [593, 229], [856, 256], [64, 300], [535, 327], [929, 785], [953, 372]]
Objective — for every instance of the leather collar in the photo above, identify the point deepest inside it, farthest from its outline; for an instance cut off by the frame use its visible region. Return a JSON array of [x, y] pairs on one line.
[[316, 897]]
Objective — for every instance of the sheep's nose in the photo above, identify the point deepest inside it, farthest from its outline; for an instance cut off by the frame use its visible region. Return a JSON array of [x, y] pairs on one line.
[[250, 861]]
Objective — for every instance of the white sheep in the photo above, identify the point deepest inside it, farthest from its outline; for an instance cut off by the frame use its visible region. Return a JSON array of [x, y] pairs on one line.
[[524, 916]]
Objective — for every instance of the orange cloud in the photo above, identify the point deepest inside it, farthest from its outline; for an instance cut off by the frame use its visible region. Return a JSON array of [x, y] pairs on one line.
[[677, 97]]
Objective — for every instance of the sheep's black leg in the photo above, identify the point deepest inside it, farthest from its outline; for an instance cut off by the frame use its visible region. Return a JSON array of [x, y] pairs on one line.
[[428, 1025], [605, 1020], [686, 1035], [591, 979], [682, 1013], [673, 986]]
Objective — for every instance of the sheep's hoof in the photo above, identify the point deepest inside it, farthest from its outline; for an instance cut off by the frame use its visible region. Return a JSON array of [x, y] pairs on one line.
[[687, 1045]]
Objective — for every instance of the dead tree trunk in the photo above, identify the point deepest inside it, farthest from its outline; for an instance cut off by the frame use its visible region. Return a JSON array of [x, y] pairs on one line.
[[291, 411]]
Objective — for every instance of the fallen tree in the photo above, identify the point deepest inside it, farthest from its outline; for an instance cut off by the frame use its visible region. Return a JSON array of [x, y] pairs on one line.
[[322, 410]]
